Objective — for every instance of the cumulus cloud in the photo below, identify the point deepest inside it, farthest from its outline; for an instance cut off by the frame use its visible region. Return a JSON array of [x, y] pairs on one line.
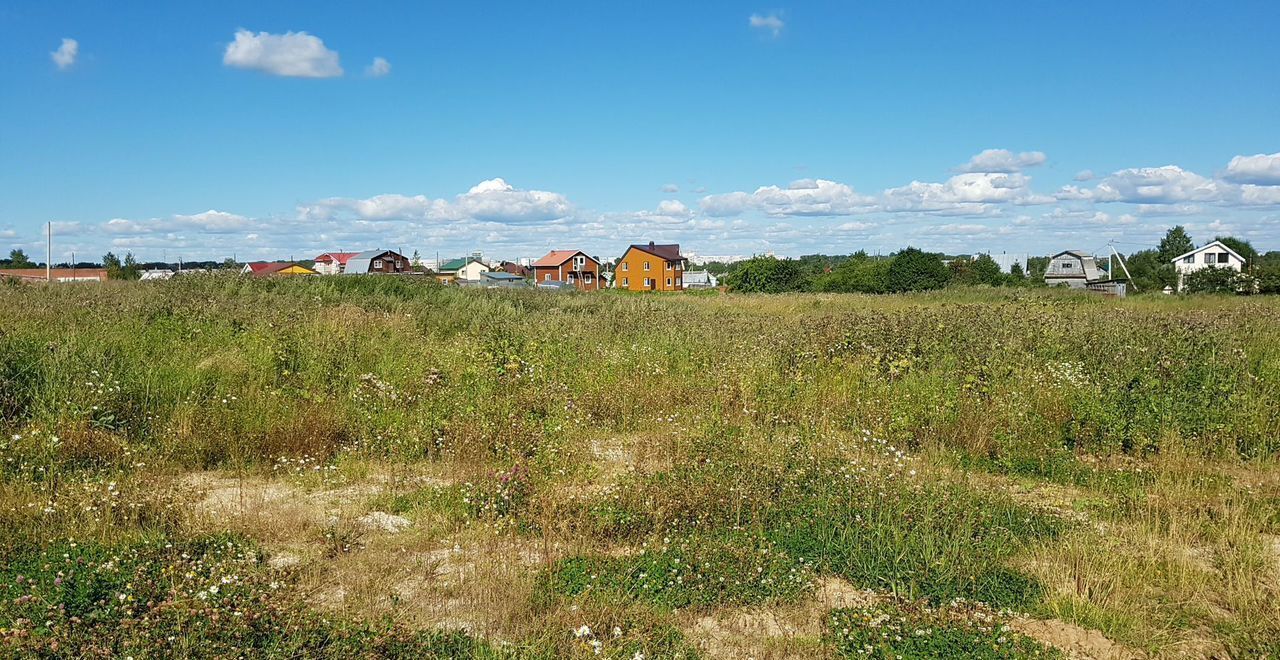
[[1158, 185], [1259, 169], [65, 56], [494, 200], [379, 68], [673, 208], [804, 197], [1002, 161], [1083, 175], [670, 188], [771, 23], [292, 55], [962, 193]]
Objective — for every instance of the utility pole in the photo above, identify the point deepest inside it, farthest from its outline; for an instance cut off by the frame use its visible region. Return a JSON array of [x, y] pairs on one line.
[[48, 253]]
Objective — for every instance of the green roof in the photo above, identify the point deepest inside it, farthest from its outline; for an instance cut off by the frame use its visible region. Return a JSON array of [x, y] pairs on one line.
[[454, 264]]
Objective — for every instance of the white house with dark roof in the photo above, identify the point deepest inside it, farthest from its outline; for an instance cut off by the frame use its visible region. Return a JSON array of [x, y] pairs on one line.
[[1210, 255]]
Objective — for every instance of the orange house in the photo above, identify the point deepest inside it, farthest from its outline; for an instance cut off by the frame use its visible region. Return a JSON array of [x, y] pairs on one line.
[[570, 267], [650, 268]]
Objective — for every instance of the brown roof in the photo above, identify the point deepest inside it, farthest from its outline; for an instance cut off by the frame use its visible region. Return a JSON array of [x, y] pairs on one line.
[[514, 268], [670, 251], [556, 257]]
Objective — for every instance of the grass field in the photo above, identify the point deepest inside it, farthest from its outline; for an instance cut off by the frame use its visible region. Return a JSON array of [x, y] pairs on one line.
[[363, 466]]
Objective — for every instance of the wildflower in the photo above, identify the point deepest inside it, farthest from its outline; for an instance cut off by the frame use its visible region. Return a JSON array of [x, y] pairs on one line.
[[582, 631]]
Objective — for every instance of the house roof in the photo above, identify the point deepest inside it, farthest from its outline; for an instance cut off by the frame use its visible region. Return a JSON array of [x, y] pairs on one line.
[[696, 277], [1075, 253], [338, 257], [273, 267], [358, 263], [456, 264], [1218, 245], [556, 257], [500, 275], [670, 251], [513, 267]]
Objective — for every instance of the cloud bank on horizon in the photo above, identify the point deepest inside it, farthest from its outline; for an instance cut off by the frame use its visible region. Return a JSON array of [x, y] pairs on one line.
[[989, 202]]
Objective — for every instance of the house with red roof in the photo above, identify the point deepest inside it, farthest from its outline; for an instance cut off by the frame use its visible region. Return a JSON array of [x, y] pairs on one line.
[[573, 267], [333, 263]]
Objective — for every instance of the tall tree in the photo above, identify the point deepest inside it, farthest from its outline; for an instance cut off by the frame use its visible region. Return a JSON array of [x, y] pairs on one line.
[[915, 270], [767, 275], [19, 259], [1176, 241]]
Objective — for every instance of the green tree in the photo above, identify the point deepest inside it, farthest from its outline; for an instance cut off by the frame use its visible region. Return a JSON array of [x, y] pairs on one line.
[[767, 275], [19, 259], [858, 274], [915, 270], [987, 271], [1176, 242], [1148, 271], [121, 270], [1217, 280]]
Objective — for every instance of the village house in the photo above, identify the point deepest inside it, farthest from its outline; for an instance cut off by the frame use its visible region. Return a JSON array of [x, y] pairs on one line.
[[332, 263], [1073, 268], [470, 268], [276, 269], [377, 262], [1211, 255], [515, 269], [573, 267], [495, 279], [651, 267]]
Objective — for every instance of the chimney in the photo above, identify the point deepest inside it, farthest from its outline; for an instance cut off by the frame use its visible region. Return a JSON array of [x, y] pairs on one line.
[[650, 244]]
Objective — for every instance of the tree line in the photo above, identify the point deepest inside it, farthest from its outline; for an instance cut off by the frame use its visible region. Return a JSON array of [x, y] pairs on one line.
[[912, 269]]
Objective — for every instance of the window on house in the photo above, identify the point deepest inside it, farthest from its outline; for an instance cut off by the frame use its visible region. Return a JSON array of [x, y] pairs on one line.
[[646, 265], [579, 262], [377, 264], [1066, 265], [570, 279], [1222, 258], [625, 282], [546, 277], [1209, 257], [668, 282], [624, 266], [679, 283], [679, 265], [668, 265], [646, 282], [586, 277], [1189, 259]]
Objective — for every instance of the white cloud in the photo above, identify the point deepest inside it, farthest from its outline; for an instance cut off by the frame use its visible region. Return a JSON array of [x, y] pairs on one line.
[[1259, 169], [379, 68], [670, 188], [1002, 161], [65, 56], [1158, 185], [673, 208], [771, 23], [498, 201], [1083, 175], [970, 192], [856, 226], [804, 197], [292, 54]]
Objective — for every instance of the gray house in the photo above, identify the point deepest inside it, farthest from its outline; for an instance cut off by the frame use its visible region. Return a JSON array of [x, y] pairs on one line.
[[377, 262], [1073, 268]]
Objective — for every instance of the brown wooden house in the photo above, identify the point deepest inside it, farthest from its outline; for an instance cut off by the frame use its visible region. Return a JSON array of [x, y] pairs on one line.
[[569, 267]]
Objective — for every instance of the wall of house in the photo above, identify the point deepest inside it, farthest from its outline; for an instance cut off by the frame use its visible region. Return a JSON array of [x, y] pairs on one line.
[[631, 274], [1199, 262], [472, 270]]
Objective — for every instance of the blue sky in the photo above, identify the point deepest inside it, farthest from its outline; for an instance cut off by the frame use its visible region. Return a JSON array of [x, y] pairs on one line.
[[264, 130]]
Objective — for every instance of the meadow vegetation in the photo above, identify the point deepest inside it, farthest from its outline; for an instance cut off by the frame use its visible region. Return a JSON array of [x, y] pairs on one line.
[[327, 467]]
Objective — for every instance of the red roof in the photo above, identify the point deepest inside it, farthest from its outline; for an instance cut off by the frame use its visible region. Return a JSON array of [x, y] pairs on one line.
[[556, 257], [340, 257]]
